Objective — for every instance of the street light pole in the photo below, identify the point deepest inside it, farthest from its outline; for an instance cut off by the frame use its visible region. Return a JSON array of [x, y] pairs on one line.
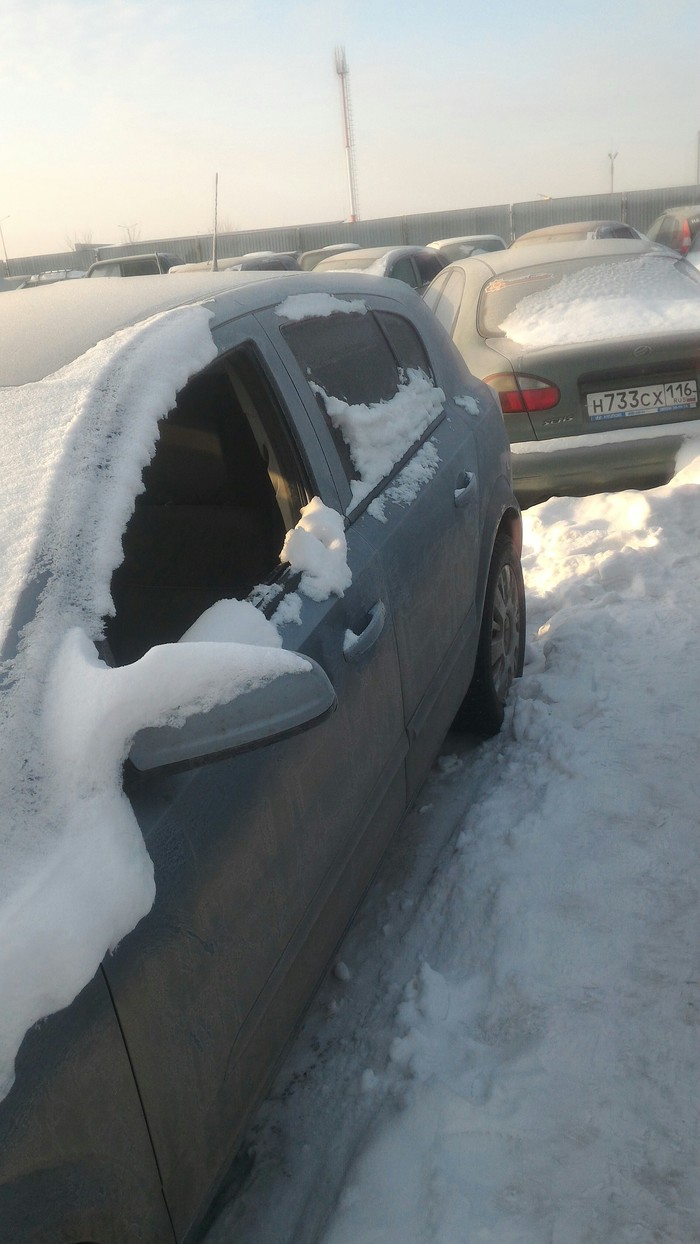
[[612, 156], [2, 236]]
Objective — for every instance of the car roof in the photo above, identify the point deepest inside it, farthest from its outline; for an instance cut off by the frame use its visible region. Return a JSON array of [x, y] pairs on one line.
[[573, 226], [690, 209], [377, 252], [466, 238], [46, 328], [536, 256]]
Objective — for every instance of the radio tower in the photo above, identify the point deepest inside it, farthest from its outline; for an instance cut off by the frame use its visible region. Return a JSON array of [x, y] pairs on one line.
[[341, 68]]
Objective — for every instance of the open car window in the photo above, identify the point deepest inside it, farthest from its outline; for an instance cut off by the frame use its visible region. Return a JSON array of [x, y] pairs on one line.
[[222, 489]]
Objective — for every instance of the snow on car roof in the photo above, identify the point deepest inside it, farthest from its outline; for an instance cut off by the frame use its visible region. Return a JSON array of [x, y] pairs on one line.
[[529, 257], [44, 329]]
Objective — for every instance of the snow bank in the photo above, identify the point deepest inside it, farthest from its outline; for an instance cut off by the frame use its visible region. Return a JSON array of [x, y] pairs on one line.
[[542, 1079], [645, 296]]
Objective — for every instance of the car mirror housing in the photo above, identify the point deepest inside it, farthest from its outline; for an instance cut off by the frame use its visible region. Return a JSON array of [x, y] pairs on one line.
[[286, 705]]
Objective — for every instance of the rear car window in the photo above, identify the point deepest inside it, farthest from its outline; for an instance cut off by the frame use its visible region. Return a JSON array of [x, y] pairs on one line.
[[501, 294]]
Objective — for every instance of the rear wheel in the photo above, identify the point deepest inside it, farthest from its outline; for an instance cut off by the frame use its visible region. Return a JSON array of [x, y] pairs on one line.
[[501, 650]]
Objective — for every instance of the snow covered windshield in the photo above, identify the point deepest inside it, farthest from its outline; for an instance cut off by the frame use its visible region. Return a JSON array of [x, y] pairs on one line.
[[590, 299]]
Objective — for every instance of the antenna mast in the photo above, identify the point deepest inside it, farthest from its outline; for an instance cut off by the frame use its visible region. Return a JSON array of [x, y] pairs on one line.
[[341, 68]]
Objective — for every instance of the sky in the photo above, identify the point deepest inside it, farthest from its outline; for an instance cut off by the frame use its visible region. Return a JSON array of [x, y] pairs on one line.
[[118, 113]]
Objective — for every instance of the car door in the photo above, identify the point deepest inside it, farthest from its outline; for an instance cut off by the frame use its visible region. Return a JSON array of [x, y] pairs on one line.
[[260, 857], [430, 543]]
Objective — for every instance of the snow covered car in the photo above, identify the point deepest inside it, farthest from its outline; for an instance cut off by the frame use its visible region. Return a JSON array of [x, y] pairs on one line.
[[414, 265], [472, 244], [579, 231], [260, 547], [134, 265], [593, 350]]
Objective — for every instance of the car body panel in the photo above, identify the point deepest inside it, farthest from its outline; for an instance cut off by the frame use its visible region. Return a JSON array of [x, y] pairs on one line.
[[76, 1160]]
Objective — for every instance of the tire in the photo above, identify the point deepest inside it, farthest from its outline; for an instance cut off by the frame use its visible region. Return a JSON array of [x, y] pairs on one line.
[[501, 650]]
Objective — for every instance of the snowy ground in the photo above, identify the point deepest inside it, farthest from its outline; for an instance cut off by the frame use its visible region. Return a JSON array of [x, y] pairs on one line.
[[508, 1051]]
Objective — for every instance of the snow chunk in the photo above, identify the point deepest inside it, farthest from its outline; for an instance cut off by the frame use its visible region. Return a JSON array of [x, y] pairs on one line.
[[309, 306], [317, 547], [233, 621], [468, 403], [606, 301], [378, 435]]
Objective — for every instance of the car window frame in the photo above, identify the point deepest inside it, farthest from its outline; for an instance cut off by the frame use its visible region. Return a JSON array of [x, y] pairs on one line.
[[351, 509]]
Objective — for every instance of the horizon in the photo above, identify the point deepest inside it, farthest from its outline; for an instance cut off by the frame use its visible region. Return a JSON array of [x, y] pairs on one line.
[[120, 115]]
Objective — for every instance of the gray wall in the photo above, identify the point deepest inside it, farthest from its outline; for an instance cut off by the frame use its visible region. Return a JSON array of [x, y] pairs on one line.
[[637, 207]]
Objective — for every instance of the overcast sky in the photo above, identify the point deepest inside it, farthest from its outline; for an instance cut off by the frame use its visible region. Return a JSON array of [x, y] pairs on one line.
[[117, 113]]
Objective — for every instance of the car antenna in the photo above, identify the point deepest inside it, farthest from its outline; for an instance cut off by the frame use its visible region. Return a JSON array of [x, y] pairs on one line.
[[214, 240]]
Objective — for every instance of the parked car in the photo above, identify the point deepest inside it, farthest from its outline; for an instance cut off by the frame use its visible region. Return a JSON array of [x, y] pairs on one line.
[[473, 244], [264, 261], [679, 228], [262, 547], [309, 259], [579, 231], [593, 371], [134, 265], [414, 265], [50, 277]]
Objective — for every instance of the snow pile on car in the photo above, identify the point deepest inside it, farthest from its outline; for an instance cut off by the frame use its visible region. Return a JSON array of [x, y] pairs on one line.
[[75, 875], [645, 296], [380, 433]]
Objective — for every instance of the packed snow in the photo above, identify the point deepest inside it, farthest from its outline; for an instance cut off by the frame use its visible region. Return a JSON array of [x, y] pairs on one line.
[[648, 295], [507, 1051], [309, 306], [404, 489], [379, 434], [318, 549]]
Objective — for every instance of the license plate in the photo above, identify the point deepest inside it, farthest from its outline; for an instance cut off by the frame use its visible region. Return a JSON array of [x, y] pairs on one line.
[[648, 399]]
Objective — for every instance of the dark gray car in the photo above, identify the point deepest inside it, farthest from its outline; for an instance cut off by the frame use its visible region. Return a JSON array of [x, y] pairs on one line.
[[414, 265], [265, 818], [605, 409]]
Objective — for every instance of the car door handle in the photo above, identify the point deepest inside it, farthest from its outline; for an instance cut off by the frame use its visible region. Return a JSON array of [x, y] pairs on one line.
[[465, 492], [354, 645]]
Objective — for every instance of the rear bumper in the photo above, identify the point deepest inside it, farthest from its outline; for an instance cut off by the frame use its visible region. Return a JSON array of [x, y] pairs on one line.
[[599, 462]]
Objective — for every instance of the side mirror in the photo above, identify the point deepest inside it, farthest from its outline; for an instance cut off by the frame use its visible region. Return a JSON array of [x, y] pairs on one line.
[[286, 705]]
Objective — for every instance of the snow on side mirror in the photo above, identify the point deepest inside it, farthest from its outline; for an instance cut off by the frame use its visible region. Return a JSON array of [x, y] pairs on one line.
[[290, 702]]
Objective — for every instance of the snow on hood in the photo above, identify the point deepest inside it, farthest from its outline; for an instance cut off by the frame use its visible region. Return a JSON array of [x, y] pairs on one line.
[[644, 296], [75, 875]]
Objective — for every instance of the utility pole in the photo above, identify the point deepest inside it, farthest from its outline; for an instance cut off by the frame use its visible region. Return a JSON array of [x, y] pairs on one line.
[[215, 235], [612, 156], [341, 68], [2, 235]]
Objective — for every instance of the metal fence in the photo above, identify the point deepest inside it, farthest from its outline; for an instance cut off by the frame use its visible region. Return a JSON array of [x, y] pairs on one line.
[[636, 207]]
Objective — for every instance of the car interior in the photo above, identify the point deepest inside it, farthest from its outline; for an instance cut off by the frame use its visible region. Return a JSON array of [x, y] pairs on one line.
[[220, 493]]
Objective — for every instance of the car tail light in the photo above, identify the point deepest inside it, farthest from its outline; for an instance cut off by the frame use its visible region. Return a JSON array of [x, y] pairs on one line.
[[522, 394], [685, 238]]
